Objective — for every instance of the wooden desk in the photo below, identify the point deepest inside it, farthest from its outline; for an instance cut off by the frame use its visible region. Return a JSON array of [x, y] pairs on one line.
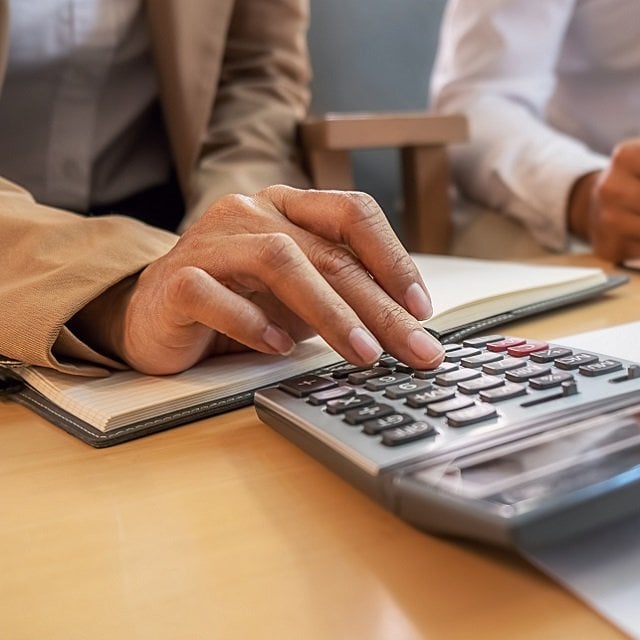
[[223, 529]]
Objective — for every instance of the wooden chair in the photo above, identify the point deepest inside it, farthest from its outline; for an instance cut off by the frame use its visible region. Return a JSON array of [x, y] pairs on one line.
[[422, 139]]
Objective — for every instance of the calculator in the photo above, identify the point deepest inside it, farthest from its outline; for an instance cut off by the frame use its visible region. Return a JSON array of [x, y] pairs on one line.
[[511, 441]]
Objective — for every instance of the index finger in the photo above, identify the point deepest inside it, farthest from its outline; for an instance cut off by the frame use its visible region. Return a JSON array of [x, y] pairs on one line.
[[355, 219]]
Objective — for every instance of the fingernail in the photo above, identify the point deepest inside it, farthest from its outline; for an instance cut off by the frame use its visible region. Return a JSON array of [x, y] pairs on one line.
[[365, 345], [425, 346], [278, 340], [418, 302]]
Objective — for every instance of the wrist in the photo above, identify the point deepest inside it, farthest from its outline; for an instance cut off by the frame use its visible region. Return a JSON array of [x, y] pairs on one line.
[[100, 324], [582, 201]]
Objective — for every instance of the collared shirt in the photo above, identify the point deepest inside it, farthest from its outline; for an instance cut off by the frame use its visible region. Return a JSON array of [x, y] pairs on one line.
[[549, 86], [79, 115]]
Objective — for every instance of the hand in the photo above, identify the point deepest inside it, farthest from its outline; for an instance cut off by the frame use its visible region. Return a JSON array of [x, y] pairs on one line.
[[263, 272], [604, 206]]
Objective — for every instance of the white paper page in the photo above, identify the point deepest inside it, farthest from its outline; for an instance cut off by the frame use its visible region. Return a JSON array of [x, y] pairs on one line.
[[603, 567], [621, 341], [456, 283]]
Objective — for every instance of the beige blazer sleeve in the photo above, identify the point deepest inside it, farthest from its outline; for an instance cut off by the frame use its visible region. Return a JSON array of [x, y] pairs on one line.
[[52, 264], [262, 95]]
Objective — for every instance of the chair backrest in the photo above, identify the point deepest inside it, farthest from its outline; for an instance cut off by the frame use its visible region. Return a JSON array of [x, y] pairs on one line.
[[373, 55]]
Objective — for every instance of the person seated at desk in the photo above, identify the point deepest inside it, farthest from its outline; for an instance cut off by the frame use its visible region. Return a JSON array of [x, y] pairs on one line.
[[102, 101], [552, 92]]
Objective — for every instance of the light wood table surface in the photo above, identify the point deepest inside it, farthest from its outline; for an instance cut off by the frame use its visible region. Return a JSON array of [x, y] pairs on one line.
[[223, 529]]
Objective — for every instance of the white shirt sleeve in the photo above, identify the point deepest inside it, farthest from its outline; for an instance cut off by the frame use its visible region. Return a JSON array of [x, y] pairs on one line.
[[496, 63]]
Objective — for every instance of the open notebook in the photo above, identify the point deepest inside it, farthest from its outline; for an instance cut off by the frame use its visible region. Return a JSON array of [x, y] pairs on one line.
[[469, 297]]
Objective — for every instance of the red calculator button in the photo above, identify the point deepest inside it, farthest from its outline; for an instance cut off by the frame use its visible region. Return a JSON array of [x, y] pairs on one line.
[[503, 345], [525, 349]]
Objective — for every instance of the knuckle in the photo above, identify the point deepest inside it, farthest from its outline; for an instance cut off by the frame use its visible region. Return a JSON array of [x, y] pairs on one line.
[[335, 262], [183, 285], [277, 250], [391, 317], [361, 208]]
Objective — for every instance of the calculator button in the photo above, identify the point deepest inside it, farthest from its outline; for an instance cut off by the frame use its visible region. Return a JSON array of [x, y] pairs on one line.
[[600, 368], [504, 344], [403, 389], [481, 383], [575, 361], [377, 384], [360, 377], [403, 368], [388, 361], [344, 404], [392, 421], [342, 371], [453, 377], [427, 374], [530, 371], [507, 391], [549, 355], [409, 433], [441, 408], [322, 397], [303, 386], [482, 358], [423, 398], [360, 415], [498, 368], [456, 356], [452, 346], [550, 381], [477, 413], [481, 341], [525, 349]]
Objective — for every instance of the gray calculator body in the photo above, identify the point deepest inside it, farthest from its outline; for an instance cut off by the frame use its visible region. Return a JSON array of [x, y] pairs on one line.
[[530, 468]]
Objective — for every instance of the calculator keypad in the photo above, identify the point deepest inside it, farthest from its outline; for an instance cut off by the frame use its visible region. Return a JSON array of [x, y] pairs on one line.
[[487, 382]]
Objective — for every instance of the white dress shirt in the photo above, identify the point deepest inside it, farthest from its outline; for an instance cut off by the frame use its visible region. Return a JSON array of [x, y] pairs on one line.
[[549, 86], [79, 115]]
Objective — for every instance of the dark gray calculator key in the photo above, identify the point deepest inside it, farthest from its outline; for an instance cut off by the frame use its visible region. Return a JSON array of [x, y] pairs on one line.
[[531, 370], [480, 359], [600, 368], [404, 368], [452, 346], [322, 397], [409, 433], [362, 414], [342, 371], [352, 402], [471, 415], [418, 400], [392, 421], [360, 377], [551, 380], [481, 341], [549, 355], [507, 391], [388, 361], [404, 389], [441, 408], [498, 368], [378, 384], [303, 386], [480, 384], [575, 361], [454, 377], [428, 374], [457, 355]]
